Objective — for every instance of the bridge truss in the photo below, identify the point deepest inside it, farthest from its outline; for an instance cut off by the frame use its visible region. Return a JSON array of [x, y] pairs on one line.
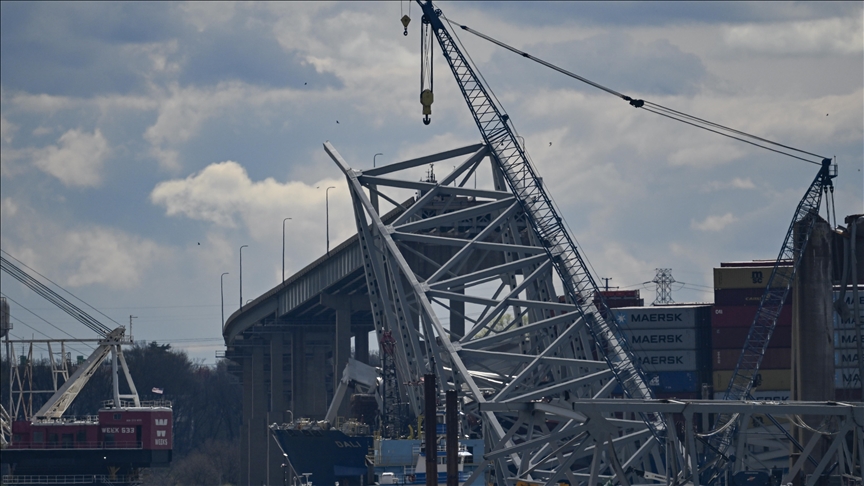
[[469, 292]]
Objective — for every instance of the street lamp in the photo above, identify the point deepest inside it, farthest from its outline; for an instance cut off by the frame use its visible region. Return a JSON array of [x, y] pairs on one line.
[[327, 210], [241, 274], [222, 295], [374, 157], [283, 248]]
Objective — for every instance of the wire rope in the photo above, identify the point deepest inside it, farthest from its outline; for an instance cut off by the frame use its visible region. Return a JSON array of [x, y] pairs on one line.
[[61, 288], [655, 107]]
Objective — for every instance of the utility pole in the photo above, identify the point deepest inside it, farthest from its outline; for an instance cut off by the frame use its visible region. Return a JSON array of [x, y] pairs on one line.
[[131, 340], [664, 281]]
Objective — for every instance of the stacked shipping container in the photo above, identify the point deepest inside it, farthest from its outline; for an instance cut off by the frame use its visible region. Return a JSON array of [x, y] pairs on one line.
[[738, 289], [669, 343], [846, 372]]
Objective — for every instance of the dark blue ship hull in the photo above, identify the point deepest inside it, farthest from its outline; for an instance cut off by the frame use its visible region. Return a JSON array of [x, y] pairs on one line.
[[329, 455]]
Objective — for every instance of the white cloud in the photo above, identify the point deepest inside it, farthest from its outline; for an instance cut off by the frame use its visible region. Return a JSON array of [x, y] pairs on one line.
[[7, 129], [107, 256], [714, 223], [223, 194], [8, 208], [86, 255], [736, 183], [823, 36], [77, 159]]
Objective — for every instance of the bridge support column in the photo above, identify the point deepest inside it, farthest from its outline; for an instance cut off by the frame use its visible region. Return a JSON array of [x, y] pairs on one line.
[[277, 406], [812, 329], [253, 430]]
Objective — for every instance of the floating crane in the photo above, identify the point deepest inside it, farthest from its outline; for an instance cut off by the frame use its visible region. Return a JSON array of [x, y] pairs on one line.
[[126, 435]]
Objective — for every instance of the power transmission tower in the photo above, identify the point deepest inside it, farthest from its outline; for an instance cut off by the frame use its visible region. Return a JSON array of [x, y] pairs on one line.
[[664, 281]]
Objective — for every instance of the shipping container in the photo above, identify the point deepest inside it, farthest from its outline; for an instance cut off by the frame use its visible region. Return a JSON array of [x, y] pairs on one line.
[[678, 396], [737, 297], [847, 378], [743, 315], [848, 394], [673, 382], [667, 360], [627, 294], [771, 380], [654, 339], [773, 359], [734, 337], [846, 339], [762, 395], [677, 317], [746, 277], [849, 296], [756, 263], [846, 358], [849, 321]]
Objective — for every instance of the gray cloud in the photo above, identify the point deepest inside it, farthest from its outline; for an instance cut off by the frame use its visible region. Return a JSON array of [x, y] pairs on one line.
[[656, 13]]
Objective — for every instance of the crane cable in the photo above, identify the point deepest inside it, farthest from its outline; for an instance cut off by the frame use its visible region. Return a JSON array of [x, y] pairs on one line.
[[51, 296], [654, 107]]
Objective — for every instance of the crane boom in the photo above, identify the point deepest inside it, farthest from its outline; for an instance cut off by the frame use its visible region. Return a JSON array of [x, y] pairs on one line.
[[510, 156], [110, 343], [773, 299]]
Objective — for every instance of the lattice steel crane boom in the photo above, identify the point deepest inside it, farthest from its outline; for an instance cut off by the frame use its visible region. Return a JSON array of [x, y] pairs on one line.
[[109, 344], [776, 291], [579, 284]]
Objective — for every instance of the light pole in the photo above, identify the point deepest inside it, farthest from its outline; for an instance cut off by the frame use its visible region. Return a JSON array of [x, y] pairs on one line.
[[327, 210], [241, 274], [283, 248], [374, 157], [222, 295]]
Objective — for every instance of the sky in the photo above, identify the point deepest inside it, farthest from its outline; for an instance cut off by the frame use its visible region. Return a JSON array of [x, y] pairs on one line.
[[144, 143]]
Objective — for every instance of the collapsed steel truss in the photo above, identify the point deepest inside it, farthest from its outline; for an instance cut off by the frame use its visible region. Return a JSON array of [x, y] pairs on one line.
[[469, 292]]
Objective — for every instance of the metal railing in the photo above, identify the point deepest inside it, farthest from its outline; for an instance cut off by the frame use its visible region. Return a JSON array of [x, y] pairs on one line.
[[69, 479], [77, 445]]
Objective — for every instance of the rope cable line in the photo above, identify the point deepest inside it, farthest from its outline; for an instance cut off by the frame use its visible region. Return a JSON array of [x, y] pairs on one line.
[[655, 107]]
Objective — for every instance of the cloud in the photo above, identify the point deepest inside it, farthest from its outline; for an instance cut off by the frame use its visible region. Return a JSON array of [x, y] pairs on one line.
[[78, 159], [7, 130], [736, 183], [823, 36], [714, 223], [223, 194], [107, 256], [8, 208], [86, 255]]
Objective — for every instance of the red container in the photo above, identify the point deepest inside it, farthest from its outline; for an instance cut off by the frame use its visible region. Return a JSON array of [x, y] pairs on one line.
[[756, 263], [742, 316], [774, 359], [849, 394], [734, 337]]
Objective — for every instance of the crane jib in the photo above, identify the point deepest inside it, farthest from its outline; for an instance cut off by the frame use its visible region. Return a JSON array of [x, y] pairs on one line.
[[544, 220]]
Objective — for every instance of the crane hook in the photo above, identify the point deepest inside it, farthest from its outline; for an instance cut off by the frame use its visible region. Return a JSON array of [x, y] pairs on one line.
[[426, 120], [405, 21]]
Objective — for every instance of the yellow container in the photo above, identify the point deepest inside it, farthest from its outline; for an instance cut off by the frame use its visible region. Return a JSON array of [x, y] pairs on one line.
[[747, 277], [771, 380]]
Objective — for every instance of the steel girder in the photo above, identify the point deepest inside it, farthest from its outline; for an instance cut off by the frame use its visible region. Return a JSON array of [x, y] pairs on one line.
[[532, 379], [462, 254]]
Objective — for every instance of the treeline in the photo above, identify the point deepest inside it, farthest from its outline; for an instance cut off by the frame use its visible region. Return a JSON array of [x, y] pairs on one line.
[[206, 402]]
